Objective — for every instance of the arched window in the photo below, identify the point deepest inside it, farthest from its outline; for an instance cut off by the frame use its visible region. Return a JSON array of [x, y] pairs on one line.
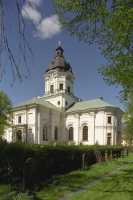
[[71, 133], [85, 133], [44, 132], [56, 133]]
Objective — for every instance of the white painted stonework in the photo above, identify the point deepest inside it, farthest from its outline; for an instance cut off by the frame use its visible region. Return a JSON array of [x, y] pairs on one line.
[[59, 114]]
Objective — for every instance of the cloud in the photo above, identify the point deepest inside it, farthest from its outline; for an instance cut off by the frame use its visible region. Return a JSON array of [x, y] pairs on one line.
[[46, 27], [36, 2], [34, 15]]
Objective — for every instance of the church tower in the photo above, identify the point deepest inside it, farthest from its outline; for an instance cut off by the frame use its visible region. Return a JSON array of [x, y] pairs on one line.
[[59, 80]]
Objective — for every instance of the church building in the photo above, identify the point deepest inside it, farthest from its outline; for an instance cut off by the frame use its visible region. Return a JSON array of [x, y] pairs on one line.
[[60, 115]]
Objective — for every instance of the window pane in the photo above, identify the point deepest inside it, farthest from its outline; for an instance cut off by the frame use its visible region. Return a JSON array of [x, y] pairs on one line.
[[61, 86], [109, 120], [51, 88], [85, 133], [19, 119], [71, 133], [44, 132]]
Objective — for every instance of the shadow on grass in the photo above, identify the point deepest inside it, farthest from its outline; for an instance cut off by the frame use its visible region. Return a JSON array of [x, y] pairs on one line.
[[116, 186]]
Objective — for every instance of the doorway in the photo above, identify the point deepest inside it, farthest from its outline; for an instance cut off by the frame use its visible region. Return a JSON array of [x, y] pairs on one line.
[[19, 136], [109, 141]]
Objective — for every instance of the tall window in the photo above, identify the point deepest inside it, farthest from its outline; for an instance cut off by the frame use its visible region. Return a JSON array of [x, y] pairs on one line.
[[109, 120], [118, 122], [44, 132], [61, 86], [56, 133], [68, 89], [85, 133], [19, 119], [71, 133], [51, 88]]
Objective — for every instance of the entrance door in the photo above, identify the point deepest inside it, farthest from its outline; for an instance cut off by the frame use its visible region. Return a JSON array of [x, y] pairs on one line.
[[19, 136], [109, 141]]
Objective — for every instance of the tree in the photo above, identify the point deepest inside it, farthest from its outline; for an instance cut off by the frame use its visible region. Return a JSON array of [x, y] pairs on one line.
[[128, 119], [115, 31], [6, 6], [6, 113]]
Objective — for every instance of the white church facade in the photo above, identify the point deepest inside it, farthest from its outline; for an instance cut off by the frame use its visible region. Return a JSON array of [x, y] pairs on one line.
[[60, 115]]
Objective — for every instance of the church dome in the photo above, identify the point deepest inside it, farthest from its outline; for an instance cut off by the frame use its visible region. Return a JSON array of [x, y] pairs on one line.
[[59, 63]]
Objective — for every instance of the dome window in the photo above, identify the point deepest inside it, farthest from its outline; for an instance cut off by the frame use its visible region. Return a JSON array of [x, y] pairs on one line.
[[68, 89], [66, 103], [58, 102], [51, 88]]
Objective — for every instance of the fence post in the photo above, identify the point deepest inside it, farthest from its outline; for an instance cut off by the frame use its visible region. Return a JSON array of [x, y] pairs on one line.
[[106, 155]]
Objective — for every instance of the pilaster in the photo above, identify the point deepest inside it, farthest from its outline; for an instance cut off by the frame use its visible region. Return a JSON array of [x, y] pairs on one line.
[[39, 127], [52, 124], [76, 136], [36, 126]]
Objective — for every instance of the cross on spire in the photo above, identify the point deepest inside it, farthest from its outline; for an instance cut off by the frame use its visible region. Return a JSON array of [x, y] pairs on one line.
[[59, 43]]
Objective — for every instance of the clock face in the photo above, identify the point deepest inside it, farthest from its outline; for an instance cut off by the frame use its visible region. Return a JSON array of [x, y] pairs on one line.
[[69, 78]]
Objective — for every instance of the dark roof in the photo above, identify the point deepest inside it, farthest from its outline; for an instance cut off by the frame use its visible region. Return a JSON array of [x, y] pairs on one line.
[[59, 48], [59, 63]]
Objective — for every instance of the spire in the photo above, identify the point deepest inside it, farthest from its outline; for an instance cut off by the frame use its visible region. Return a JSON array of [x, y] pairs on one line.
[[59, 42], [59, 51]]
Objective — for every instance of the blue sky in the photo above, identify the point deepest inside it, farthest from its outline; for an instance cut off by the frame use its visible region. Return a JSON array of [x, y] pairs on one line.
[[84, 59]]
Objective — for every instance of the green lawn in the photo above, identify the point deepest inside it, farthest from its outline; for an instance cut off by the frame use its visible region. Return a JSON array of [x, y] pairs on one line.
[[119, 185]]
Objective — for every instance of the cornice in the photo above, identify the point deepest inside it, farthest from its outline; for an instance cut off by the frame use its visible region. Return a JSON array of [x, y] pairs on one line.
[[105, 109]]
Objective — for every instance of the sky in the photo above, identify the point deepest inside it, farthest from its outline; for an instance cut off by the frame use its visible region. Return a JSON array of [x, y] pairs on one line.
[[84, 59]]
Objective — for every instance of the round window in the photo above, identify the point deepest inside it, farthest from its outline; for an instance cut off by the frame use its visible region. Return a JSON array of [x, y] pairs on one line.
[[58, 102]]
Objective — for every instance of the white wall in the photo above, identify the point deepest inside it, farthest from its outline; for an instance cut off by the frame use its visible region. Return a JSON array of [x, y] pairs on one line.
[[97, 122], [55, 78]]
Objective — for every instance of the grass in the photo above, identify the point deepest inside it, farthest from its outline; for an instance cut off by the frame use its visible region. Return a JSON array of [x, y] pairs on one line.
[[111, 187], [117, 186]]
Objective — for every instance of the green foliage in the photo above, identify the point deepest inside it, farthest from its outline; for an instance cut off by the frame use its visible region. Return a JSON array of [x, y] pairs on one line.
[[115, 31], [13, 156], [6, 114], [128, 120]]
